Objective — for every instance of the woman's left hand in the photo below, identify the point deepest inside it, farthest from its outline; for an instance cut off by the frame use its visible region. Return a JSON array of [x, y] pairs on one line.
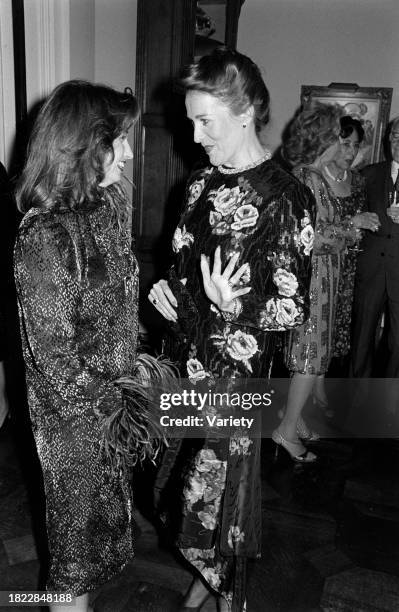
[[218, 285]]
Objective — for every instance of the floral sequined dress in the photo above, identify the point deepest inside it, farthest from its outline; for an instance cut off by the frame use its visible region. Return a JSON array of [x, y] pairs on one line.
[[77, 284], [265, 215], [349, 205], [310, 347]]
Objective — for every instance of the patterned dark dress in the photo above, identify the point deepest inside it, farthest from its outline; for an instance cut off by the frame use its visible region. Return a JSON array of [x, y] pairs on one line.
[[265, 215], [77, 284], [310, 347], [350, 205]]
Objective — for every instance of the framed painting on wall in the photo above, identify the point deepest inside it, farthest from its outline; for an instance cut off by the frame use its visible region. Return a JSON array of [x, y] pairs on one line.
[[370, 105]]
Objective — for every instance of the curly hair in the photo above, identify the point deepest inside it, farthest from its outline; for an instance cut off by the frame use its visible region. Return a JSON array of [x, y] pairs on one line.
[[70, 140], [234, 79], [311, 132]]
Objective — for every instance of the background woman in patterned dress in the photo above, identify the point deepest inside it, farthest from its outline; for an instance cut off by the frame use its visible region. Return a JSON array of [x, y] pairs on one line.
[[323, 146], [77, 283], [241, 274], [350, 195]]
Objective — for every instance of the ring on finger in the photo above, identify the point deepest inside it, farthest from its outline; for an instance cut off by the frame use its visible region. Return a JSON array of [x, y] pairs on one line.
[[155, 301], [230, 284]]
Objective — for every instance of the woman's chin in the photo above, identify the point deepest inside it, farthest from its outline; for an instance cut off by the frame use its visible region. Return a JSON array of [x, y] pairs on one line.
[[216, 159]]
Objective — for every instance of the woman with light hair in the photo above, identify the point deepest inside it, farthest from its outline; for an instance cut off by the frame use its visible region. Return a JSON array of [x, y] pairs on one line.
[[241, 275], [322, 145]]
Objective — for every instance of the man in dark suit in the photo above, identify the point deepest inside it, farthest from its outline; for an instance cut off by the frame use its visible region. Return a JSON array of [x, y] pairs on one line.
[[377, 274]]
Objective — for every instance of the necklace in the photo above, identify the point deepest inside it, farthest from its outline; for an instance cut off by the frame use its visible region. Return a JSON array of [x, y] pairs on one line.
[[259, 161], [334, 178]]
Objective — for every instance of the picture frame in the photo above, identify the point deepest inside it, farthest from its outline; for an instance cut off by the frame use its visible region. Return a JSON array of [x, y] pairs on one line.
[[371, 105], [216, 24]]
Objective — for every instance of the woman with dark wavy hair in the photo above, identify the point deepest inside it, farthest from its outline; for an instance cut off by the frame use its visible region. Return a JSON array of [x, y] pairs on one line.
[[322, 144], [77, 280]]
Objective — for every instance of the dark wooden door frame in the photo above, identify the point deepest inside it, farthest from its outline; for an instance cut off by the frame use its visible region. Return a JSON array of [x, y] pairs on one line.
[[18, 28], [181, 23]]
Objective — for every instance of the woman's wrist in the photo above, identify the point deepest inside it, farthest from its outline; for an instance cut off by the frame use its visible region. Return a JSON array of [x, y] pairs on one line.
[[229, 307], [233, 311]]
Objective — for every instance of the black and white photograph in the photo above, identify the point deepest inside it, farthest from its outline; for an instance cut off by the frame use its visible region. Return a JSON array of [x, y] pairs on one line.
[[199, 305]]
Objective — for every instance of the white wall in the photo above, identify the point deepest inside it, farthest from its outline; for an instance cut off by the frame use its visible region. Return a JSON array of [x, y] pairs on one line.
[[7, 87], [82, 39], [115, 50], [79, 39], [86, 39], [317, 42], [115, 42]]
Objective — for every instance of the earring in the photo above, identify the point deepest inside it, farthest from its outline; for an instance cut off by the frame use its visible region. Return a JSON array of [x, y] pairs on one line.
[[244, 125]]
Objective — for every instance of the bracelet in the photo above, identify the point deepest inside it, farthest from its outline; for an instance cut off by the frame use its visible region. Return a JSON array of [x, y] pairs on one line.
[[232, 316]]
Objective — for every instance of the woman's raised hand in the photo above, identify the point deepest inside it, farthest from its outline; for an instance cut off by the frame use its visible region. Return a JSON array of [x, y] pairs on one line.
[[218, 285], [163, 299]]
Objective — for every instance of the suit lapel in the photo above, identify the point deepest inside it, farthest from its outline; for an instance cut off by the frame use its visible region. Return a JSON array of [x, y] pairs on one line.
[[388, 186], [382, 185]]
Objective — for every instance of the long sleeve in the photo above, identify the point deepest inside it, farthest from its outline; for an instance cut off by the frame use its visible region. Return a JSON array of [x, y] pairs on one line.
[[61, 340], [278, 299], [333, 233]]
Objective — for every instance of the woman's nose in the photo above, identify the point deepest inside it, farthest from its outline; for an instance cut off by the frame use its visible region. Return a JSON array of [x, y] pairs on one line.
[[128, 153], [197, 134]]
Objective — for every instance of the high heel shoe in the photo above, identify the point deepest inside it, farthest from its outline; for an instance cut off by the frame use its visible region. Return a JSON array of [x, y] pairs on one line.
[[305, 433], [323, 405], [304, 457]]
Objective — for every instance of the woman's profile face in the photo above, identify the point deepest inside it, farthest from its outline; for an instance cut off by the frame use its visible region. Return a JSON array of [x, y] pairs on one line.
[[215, 128], [114, 168], [347, 150]]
